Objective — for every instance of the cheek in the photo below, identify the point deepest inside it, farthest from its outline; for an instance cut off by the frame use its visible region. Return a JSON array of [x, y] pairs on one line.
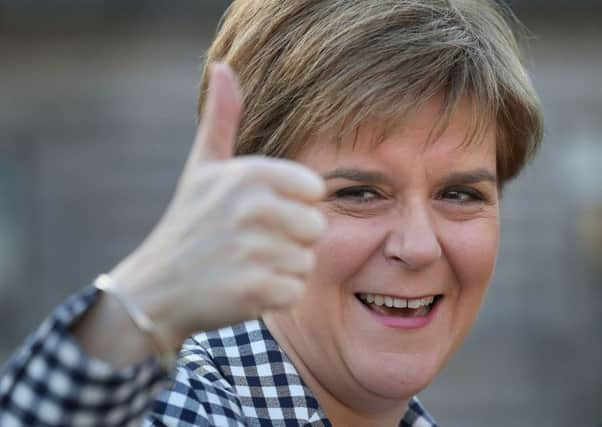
[[345, 247], [471, 252], [471, 249]]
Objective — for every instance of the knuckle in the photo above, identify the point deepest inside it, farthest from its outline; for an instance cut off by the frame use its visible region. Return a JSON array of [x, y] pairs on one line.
[[302, 222], [258, 163], [255, 206], [255, 284], [299, 261], [248, 168], [251, 245], [239, 174]]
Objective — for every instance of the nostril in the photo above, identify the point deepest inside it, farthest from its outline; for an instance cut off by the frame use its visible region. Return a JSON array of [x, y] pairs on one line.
[[412, 249]]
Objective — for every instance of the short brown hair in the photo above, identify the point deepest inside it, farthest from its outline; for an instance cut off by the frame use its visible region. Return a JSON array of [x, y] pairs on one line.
[[306, 66]]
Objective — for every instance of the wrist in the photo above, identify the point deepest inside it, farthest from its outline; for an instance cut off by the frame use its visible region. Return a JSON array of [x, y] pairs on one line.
[[105, 331], [140, 319]]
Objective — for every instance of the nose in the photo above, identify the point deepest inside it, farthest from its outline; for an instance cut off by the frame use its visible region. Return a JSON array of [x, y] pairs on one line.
[[412, 240]]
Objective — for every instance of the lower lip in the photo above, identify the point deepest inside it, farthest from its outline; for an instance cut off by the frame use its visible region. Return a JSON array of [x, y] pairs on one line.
[[403, 322]]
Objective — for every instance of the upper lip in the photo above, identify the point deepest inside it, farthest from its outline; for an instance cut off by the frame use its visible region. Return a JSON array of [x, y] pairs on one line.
[[385, 294]]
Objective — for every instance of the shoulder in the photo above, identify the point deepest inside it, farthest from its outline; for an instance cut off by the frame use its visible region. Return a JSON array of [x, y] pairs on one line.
[[417, 416], [241, 359], [204, 391], [239, 371], [243, 344]]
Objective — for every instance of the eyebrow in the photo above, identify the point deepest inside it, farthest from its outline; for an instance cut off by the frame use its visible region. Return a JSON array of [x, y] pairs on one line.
[[471, 177], [373, 177], [358, 175]]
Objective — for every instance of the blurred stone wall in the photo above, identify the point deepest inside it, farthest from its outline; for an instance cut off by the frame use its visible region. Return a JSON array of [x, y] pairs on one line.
[[97, 116]]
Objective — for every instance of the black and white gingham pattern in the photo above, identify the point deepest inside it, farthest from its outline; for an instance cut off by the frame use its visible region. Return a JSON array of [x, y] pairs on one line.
[[240, 376], [50, 382], [235, 376]]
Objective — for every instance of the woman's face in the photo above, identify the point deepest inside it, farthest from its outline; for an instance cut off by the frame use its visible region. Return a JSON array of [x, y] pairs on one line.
[[409, 223]]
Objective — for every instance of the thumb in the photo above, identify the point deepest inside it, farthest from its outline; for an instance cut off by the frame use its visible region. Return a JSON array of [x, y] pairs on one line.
[[221, 116]]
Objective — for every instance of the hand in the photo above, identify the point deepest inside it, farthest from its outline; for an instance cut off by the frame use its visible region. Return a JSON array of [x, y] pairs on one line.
[[237, 237]]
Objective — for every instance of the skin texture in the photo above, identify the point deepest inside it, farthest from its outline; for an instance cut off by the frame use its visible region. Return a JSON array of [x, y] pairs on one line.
[[419, 229]]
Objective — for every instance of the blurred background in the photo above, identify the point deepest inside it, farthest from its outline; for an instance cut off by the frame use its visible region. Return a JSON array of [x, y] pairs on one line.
[[97, 114]]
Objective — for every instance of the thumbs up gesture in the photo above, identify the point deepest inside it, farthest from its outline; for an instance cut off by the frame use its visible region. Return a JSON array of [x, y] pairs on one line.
[[236, 238]]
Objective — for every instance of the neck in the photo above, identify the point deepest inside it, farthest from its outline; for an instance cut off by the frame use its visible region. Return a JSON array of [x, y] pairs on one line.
[[373, 411]]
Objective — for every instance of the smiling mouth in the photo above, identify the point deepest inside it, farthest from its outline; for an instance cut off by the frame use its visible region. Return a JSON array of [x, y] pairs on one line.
[[398, 307]]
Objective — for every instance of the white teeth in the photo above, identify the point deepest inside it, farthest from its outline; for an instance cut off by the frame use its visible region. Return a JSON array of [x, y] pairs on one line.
[[390, 301], [399, 303], [414, 303]]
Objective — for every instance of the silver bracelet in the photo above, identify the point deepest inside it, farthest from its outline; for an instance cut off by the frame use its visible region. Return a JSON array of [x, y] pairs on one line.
[[166, 355]]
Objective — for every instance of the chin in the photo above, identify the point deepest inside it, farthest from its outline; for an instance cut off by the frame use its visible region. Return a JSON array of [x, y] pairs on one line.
[[396, 376]]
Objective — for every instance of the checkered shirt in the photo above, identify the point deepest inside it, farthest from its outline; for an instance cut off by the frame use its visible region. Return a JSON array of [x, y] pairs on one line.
[[235, 376]]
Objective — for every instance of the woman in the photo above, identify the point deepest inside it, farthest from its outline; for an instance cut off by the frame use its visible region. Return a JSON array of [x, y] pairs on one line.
[[365, 255]]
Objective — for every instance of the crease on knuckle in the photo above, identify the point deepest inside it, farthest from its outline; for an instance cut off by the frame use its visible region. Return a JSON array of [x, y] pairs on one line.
[[253, 247], [297, 260], [256, 282], [255, 209]]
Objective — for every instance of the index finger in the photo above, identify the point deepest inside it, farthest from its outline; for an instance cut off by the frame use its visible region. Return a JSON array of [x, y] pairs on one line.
[[286, 177]]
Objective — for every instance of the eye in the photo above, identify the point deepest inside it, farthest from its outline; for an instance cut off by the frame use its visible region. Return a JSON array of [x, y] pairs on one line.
[[360, 194], [462, 195]]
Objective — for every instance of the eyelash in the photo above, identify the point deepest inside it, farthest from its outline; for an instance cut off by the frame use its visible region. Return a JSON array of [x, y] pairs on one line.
[[473, 195], [355, 194]]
